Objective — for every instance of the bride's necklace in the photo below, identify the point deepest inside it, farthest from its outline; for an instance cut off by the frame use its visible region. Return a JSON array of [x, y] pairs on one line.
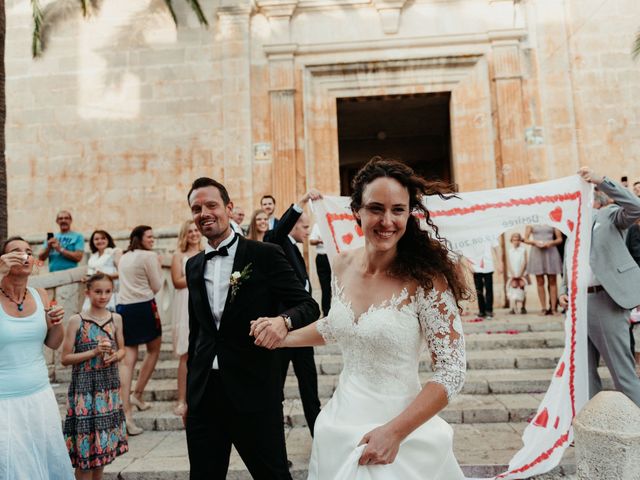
[[19, 304]]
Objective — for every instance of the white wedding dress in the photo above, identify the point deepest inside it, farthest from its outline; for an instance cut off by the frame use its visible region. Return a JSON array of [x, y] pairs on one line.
[[381, 352]]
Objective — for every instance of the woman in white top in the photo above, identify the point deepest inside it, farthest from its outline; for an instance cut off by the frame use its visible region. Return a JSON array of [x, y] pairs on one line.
[[31, 442], [104, 258], [189, 244], [140, 279]]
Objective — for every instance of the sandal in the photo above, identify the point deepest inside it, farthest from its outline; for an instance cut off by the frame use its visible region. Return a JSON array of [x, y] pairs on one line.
[[139, 404], [132, 428]]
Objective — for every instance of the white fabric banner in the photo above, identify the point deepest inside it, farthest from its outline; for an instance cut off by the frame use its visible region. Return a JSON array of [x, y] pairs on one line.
[[476, 219]]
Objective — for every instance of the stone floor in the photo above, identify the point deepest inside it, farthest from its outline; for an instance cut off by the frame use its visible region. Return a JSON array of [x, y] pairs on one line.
[[510, 361]]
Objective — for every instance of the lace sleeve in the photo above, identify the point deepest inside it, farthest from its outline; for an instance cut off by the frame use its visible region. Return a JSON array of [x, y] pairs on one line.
[[442, 328], [324, 329]]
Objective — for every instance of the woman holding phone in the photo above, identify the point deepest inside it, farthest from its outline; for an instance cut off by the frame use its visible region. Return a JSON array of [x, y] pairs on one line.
[[28, 407]]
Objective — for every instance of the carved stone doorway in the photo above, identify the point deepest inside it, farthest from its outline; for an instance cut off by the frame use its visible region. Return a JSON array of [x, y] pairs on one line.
[[413, 128]]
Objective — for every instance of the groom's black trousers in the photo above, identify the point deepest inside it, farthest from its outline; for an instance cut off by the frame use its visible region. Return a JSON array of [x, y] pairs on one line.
[[304, 366], [216, 424]]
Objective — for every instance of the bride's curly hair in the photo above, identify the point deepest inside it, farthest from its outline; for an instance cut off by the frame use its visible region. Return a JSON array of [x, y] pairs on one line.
[[422, 254]]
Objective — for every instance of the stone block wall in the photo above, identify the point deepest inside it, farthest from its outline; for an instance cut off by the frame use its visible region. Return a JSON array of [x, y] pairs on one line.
[[124, 110]]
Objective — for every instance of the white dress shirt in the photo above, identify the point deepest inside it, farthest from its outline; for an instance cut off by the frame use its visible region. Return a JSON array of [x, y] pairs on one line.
[[236, 228], [217, 272]]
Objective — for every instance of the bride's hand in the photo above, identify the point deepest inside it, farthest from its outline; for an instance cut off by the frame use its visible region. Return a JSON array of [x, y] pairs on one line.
[[382, 447]]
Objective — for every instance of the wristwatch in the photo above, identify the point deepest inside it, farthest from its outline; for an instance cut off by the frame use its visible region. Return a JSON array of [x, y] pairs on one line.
[[287, 321]]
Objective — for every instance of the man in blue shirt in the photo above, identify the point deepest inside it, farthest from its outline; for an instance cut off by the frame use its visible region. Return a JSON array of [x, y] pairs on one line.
[[66, 248]]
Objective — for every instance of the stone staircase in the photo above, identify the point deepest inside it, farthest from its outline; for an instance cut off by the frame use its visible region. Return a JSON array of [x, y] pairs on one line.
[[510, 363]]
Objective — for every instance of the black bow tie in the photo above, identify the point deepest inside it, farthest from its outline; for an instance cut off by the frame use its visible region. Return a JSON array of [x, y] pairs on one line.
[[222, 251]]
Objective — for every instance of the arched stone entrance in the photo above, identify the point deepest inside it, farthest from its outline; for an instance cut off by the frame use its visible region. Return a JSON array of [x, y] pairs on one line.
[[463, 80]]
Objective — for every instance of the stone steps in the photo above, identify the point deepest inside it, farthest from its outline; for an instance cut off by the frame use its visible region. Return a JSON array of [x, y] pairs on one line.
[[482, 450], [478, 382], [331, 364], [511, 360], [463, 409]]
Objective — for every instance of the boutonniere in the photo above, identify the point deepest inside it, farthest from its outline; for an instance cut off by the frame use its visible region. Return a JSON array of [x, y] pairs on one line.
[[236, 279]]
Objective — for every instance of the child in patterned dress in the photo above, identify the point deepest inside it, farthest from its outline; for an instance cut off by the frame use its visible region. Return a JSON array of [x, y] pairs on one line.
[[94, 430]]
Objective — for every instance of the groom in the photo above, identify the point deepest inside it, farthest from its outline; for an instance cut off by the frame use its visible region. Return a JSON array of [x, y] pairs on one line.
[[234, 390]]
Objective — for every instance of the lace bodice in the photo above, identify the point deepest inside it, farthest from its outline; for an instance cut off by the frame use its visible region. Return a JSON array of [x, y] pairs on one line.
[[382, 347]]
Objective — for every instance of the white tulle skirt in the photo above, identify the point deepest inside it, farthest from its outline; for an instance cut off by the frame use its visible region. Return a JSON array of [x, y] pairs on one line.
[[31, 442], [356, 409]]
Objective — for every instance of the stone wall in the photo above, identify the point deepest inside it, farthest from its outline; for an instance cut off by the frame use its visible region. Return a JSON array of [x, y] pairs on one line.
[[124, 110]]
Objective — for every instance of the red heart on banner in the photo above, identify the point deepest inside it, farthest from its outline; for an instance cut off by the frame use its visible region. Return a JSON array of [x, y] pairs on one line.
[[560, 370], [556, 214], [348, 238], [359, 230], [555, 425], [570, 224], [542, 419]]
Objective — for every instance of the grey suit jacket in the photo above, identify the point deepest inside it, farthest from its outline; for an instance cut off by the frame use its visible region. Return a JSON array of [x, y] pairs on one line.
[[609, 258]]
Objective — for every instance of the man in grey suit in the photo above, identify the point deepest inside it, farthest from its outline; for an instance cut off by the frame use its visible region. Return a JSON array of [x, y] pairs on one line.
[[614, 286]]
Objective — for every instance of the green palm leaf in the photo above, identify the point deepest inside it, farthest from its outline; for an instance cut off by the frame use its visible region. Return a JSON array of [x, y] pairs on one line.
[[44, 19], [636, 47], [195, 6], [171, 11], [85, 7], [36, 40]]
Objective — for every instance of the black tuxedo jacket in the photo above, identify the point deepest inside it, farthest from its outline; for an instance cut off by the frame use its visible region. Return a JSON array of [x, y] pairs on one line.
[[280, 236], [251, 375]]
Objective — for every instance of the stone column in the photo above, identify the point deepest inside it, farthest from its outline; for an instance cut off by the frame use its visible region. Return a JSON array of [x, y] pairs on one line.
[[507, 78], [234, 37], [280, 53]]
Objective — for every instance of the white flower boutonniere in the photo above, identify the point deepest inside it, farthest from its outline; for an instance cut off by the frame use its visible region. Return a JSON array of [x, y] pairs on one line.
[[236, 279]]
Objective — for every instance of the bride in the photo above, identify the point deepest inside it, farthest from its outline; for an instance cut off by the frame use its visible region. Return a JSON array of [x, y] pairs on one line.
[[392, 297]]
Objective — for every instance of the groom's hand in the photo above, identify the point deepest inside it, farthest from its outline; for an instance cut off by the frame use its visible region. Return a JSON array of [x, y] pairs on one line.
[[268, 331]]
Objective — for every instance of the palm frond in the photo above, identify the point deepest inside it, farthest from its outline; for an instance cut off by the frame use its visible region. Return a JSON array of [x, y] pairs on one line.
[[85, 7], [195, 6], [171, 11], [53, 14], [635, 52], [36, 40]]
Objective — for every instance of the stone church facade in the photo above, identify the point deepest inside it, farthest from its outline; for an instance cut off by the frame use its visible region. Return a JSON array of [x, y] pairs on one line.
[[124, 110]]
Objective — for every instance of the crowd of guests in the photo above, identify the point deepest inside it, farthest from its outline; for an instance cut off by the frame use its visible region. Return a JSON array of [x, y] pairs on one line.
[[120, 313], [101, 342], [536, 254]]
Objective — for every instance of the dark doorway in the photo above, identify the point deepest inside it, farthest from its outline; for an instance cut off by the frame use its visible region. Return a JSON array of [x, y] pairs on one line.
[[412, 128]]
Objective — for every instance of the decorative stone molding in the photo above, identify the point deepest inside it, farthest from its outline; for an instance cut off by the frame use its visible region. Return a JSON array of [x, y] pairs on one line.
[[234, 7], [389, 13], [279, 14], [276, 8]]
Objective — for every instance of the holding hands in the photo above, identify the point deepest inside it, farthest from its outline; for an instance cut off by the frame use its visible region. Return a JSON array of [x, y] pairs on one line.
[[269, 332]]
